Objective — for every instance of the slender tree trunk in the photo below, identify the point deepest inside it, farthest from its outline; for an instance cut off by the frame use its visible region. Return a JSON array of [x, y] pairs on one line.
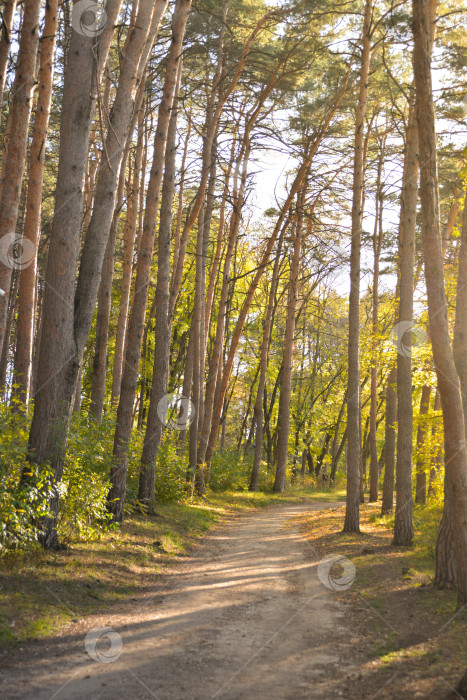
[[129, 238], [259, 414], [422, 432], [138, 309], [100, 363], [32, 223], [58, 366], [15, 158], [403, 525], [287, 361], [377, 243], [352, 518], [238, 201], [437, 457], [160, 375], [448, 380], [5, 42], [390, 443]]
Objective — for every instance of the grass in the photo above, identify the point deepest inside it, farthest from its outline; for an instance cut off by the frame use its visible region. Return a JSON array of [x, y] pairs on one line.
[[410, 629], [41, 592]]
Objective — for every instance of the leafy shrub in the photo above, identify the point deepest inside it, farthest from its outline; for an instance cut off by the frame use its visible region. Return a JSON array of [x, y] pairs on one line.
[[83, 511], [230, 470], [21, 504], [171, 484]]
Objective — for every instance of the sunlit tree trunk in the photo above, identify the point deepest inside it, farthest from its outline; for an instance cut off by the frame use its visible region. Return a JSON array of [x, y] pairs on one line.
[[129, 238], [448, 380], [287, 359], [146, 246], [352, 519], [390, 443], [377, 243], [15, 157], [422, 432], [259, 412], [58, 365], [32, 223], [5, 41], [403, 525], [160, 374]]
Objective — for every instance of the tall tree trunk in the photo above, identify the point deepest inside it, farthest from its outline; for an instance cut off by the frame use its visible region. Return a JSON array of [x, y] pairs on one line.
[[390, 442], [377, 243], [100, 363], [146, 245], [160, 374], [32, 223], [403, 523], [240, 181], [437, 457], [5, 43], [352, 516], [422, 431], [58, 364], [287, 360], [448, 380], [259, 413], [129, 237], [14, 252]]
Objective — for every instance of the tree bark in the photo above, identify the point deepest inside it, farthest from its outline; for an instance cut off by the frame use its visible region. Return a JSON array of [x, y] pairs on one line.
[[129, 238], [32, 223], [287, 360], [377, 244], [352, 518], [160, 375], [259, 413], [15, 157], [403, 523], [5, 42], [448, 380], [146, 245], [58, 366], [390, 443], [422, 431]]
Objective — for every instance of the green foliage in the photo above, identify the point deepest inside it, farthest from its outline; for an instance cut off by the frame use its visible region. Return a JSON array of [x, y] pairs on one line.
[[230, 470], [22, 502], [171, 482], [83, 513]]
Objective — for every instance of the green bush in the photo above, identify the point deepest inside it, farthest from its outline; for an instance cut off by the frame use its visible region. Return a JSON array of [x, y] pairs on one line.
[[171, 484], [21, 504], [230, 470], [85, 483]]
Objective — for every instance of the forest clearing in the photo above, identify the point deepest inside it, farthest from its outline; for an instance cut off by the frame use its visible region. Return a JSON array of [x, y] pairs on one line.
[[233, 348]]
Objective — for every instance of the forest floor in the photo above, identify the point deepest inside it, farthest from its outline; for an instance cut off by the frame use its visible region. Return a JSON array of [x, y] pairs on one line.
[[414, 637], [243, 616]]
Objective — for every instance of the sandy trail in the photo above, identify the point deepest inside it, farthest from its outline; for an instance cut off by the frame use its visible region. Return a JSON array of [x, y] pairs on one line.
[[245, 617]]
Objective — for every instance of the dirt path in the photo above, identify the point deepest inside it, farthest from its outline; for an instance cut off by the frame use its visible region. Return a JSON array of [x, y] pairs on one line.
[[246, 617]]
